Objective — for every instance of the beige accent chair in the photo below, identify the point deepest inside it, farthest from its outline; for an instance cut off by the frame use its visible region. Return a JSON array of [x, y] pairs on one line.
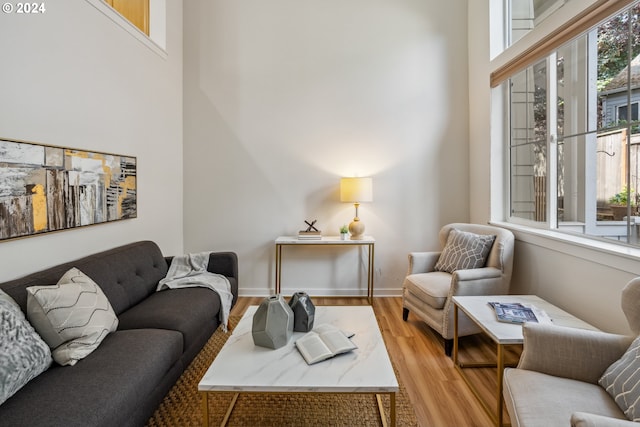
[[556, 381], [427, 293]]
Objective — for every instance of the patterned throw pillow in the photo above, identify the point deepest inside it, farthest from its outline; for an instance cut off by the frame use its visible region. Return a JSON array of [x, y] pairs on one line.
[[464, 250], [622, 381], [23, 353], [73, 317]]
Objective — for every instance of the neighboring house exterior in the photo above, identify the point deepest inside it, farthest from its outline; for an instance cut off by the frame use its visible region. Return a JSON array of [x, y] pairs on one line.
[[614, 96]]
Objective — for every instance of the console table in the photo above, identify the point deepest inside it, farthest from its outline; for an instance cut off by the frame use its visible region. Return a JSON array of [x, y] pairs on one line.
[[367, 241]]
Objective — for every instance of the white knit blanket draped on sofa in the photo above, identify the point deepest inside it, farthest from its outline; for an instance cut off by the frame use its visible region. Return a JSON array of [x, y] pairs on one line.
[[190, 271]]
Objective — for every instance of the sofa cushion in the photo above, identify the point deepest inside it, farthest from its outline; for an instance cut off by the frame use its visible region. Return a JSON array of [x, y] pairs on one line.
[[103, 389], [464, 250], [23, 353], [622, 381], [542, 400], [73, 316], [191, 311]]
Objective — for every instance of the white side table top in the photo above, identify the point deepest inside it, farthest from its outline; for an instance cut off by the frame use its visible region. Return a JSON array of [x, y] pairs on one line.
[[324, 240], [243, 366], [478, 309]]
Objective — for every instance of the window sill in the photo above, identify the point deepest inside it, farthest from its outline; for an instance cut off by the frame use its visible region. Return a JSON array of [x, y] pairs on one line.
[[624, 258]]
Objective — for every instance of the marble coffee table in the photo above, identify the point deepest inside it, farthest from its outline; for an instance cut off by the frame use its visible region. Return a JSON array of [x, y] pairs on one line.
[[242, 367]]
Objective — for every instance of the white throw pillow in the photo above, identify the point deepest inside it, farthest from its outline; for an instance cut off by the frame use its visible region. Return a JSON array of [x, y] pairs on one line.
[[73, 316], [622, 381], [464, 250], [23, 353]]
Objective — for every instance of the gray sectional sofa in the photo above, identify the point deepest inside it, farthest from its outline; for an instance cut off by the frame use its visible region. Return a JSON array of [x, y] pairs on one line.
[[123, 381]]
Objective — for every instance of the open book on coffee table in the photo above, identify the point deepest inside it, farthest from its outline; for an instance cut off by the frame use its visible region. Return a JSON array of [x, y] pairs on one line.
[[323, 342]]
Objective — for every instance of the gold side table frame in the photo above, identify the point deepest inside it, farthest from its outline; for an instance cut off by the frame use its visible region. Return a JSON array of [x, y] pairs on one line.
[[497, 416], [368, 242]]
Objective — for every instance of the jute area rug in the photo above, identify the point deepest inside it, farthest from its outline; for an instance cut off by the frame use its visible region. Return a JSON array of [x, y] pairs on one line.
[[182, 405]]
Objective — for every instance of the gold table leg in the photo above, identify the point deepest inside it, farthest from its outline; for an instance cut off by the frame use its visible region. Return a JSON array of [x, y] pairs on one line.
[[496, 417], [278, 267], [392, 410], [205, 409]]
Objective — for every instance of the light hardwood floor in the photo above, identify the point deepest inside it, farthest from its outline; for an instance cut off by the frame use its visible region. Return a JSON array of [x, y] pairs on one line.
[[438, 393]]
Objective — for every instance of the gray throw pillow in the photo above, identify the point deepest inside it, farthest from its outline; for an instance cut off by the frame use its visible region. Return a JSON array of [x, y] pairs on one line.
[[464, 250], [73, 316], [622, 381], [23, 353]]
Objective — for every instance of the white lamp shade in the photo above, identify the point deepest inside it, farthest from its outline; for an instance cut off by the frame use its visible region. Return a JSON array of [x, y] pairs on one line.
[[356, 190]]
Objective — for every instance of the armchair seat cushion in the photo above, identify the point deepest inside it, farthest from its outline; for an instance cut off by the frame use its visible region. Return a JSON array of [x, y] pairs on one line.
[[430, 288], [538, 399]]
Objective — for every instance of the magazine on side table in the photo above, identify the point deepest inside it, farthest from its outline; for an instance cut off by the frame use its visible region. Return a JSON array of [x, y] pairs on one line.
[[516, 312], [323, 342]]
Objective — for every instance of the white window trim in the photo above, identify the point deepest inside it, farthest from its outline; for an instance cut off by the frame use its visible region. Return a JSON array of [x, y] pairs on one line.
[[621, 257], [613, 255], [112, 14]]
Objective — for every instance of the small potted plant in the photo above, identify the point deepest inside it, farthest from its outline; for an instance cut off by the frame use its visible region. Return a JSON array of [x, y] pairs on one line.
[[344, 232], [618, 204]]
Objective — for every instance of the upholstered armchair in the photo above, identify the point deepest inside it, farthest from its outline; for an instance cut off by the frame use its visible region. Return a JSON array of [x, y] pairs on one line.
[[427, 292], [569, 376]]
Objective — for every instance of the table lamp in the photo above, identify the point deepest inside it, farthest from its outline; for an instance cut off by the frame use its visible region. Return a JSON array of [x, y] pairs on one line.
[[356, 190]]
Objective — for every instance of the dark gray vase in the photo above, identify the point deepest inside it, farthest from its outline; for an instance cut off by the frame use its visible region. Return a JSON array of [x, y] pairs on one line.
[[272, 323], [303, 312]]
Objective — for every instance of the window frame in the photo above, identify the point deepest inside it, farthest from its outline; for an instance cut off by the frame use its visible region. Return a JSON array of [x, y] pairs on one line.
[[548, 38]]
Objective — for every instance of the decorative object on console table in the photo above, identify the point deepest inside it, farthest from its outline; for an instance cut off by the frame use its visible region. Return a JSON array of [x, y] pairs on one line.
[[311, 233], [303, 312], [356, 190], [344, 232], [272, 323]]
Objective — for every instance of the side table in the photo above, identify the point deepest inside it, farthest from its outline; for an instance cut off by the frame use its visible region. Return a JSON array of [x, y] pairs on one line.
[[477, 309], [367, 241]]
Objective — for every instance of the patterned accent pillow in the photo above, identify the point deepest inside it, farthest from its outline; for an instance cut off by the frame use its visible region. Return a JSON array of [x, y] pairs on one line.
[[73, 316], [464, 250], [622, 381], [23, 353]]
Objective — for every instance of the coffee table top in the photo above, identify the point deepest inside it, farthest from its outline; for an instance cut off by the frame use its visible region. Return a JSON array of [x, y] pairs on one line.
[[243, 366], [477, 308]]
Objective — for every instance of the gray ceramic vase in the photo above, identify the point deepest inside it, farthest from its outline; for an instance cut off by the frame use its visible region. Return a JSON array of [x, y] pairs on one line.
[[272, 323], [303, 312]]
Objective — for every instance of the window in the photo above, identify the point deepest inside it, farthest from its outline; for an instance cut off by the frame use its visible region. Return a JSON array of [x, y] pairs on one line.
[[524, 15], [574, 149], [135, 11], [623, 112]]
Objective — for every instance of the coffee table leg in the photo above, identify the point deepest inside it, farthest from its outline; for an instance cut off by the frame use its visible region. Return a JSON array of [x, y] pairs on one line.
[[392, 410], [392, 398], [205, 409]]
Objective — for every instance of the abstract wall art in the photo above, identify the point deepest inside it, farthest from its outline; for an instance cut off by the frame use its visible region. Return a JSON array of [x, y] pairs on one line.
[[46, 188]]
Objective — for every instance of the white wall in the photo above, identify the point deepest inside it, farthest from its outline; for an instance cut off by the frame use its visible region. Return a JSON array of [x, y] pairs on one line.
[[282, 98], [586, 282], [72, 77]]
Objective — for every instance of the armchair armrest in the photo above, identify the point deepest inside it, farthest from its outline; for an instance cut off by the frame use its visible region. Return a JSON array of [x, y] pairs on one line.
[[573, 353], [422, 262], [477, 281], [584, 419]]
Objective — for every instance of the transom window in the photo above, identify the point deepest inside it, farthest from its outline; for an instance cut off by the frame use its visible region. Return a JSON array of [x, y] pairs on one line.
[[574, 134]]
